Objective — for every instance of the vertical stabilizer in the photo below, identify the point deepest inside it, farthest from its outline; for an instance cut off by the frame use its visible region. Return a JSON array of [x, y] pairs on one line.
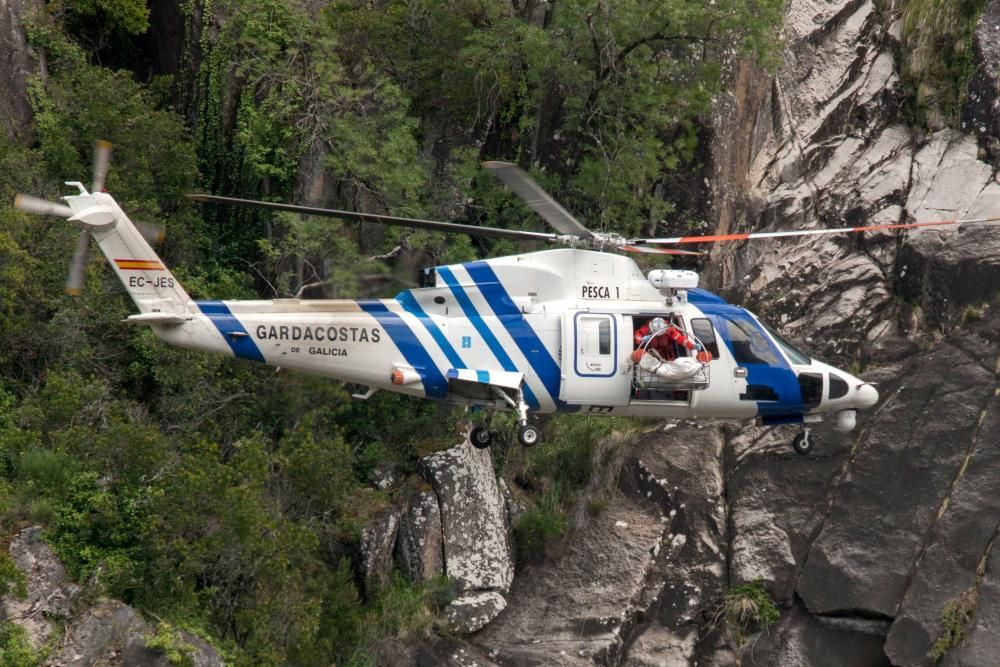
[[145, 277]]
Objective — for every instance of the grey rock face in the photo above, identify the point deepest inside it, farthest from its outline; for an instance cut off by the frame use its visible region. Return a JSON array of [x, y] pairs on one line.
[[634, 581], [800, 639], [420, 541], [981, 111], [477, 548], [377, 542], [16, 64], [49, 593], [904, 466]]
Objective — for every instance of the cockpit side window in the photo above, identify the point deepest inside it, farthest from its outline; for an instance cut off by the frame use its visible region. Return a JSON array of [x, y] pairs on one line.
[[749, 344], [702, 329], [795, 355]]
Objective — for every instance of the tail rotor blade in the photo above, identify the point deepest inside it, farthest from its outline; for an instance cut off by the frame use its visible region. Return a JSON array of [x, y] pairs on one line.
[[154, 234], [30, 204], [74, 284], [102, 159]]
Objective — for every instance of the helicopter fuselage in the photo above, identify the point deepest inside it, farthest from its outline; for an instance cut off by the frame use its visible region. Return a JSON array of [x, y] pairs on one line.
[[558, 323]]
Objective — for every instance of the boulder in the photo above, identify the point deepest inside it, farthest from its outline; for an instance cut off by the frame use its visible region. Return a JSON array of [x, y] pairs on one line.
[[477, 546], [420, 541], [470, 612]]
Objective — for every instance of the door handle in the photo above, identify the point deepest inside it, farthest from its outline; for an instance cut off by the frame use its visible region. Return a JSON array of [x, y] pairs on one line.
[[739, 372]]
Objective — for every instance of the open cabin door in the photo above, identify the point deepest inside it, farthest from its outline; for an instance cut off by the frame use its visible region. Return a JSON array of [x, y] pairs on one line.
[[595, 347]]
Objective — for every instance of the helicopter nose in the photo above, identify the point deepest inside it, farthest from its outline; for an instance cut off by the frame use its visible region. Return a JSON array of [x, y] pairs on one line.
[[867, 395]]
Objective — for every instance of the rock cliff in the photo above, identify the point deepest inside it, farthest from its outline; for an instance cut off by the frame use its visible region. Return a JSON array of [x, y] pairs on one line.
[[867, 541]]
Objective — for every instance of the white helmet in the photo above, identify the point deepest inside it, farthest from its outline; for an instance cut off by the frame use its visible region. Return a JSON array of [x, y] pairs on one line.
[[656, 325]]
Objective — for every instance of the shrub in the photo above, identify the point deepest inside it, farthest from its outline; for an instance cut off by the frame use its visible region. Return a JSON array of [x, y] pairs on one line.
[[956, 617], [747, 608]]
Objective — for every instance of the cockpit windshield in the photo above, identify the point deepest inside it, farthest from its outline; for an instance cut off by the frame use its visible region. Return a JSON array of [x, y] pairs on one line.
[[794, 355]]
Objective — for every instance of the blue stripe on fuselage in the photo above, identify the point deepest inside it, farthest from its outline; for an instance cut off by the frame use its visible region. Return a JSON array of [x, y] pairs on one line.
[[470, 311], [411, 306], [232, 330], [435, 384], [517, 326], [779, 377]]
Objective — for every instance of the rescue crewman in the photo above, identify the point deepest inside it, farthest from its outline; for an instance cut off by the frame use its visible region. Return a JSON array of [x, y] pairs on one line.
[[664, 344]]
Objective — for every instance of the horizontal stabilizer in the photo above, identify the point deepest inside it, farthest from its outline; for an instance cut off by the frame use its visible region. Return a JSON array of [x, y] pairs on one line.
[[505, 379], [159, 318]]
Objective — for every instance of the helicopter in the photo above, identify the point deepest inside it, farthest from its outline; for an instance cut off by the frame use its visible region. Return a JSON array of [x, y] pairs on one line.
[[576, 329]]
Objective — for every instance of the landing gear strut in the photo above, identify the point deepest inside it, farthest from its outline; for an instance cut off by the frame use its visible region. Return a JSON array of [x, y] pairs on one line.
[[803, 443], [527, 434]]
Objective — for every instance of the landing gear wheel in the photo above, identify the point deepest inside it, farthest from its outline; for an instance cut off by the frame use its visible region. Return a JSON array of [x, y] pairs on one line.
[[480, 437], [528, 435], [802, 443]]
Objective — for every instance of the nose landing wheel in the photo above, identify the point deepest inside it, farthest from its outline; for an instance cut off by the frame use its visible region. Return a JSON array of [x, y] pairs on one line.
[[803, 442]]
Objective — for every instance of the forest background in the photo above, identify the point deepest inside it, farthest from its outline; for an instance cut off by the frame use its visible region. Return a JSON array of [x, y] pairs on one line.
[[221, 497]]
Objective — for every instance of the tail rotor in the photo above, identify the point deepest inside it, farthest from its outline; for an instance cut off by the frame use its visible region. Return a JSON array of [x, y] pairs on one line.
[[77, 268]]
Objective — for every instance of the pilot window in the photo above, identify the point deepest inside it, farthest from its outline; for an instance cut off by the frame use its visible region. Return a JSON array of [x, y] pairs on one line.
[[702, 329], [795, 355], [749, 344]]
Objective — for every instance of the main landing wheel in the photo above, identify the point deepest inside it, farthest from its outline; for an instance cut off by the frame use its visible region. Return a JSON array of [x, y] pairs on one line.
[[528, 435], [481, 437], [803, 443]]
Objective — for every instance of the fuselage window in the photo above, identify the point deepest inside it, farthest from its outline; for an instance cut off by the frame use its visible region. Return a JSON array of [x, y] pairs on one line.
[[604, 337], [838, 387], [811, 386], [749, 344], [702, 329]]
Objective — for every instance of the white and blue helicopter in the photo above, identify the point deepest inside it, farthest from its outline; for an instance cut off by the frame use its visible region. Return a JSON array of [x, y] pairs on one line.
[[565, 329]]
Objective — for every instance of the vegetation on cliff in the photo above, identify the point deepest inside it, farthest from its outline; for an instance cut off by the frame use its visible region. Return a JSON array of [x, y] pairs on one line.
[[217, 495]]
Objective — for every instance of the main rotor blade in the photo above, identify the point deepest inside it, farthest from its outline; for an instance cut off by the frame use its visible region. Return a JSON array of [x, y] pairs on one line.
[[153, 233], [416, 223], [30, 204], [102, 159], [660, 251], [74, 283], [716, 238], [538, 199]]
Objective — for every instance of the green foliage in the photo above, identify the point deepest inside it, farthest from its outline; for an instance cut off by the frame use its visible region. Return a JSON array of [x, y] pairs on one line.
[[956, 618], [937, 56], [538, 528], [130, 15], [219, 495], [16, 649], [745, 609], [170, 642], [12, 581], [553, 473]]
